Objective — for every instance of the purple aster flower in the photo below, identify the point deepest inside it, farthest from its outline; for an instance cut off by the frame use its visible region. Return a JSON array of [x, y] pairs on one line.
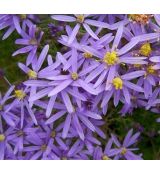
[[68, 80], [124, 151], [76, 118], [31, 41], [75, 151], [110, 59], [39, 148], [99, 154], [8, 117], [120, 86], [154, 101], [18, 135], [5, 147], [81, 20], [12, 22], [149, 80], [20, 100]]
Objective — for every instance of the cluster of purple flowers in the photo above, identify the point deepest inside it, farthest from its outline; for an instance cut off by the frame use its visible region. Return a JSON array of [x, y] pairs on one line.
[[58, 111]]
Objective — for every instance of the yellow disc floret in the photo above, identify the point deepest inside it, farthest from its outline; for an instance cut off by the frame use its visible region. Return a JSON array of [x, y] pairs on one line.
[[23, 16], [140, 18], [53, 134], [33, 41], [32, 74], [20, 94], [80, 18], [145, 49], [105, 157], [87, 55], [137, 65], [44, 147], [150, 70], [74, 76], [117, 83], [2, 137], [64, 158], [124, 151], [111, 58]]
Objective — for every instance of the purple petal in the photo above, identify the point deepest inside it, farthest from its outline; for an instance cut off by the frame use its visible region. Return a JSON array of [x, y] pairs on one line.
[[60, 87], [55, 117], [63, 18], [132, 75], [66, 126], [90, 32], [74, 33]]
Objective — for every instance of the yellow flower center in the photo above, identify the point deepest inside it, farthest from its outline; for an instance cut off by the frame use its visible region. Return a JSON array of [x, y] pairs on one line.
[[53, 134], [150, 70], [1, 107], [2, 137], [124, 151], [64, 158], [87, 55], [33, 41], [80, 18], [137, 65], [105, 157], [145, 49], [117, 83], [74, 76], [43, 147], [111, 58], [20, 94], [32, 74], [23, 16], [140, 18]]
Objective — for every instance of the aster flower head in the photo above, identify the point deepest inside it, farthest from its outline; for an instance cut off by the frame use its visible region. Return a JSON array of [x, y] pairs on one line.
[[31, 40], [83, 20], [76, 117], [13, 22], [7, 116], [124, 150], [119, 85]]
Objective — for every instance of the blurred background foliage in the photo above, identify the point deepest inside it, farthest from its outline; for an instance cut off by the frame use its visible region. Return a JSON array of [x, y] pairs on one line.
[[141, 120]]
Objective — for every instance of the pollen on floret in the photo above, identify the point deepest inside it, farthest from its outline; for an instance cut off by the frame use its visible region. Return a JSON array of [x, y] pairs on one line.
[[80, 18], [20, 94], [140, 18], [150, 70], [32, 74], [111, 58], [117, 83], [145, 49], [87, 55], [2, 137], [74, 76], [124, 151], [105, 157]]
